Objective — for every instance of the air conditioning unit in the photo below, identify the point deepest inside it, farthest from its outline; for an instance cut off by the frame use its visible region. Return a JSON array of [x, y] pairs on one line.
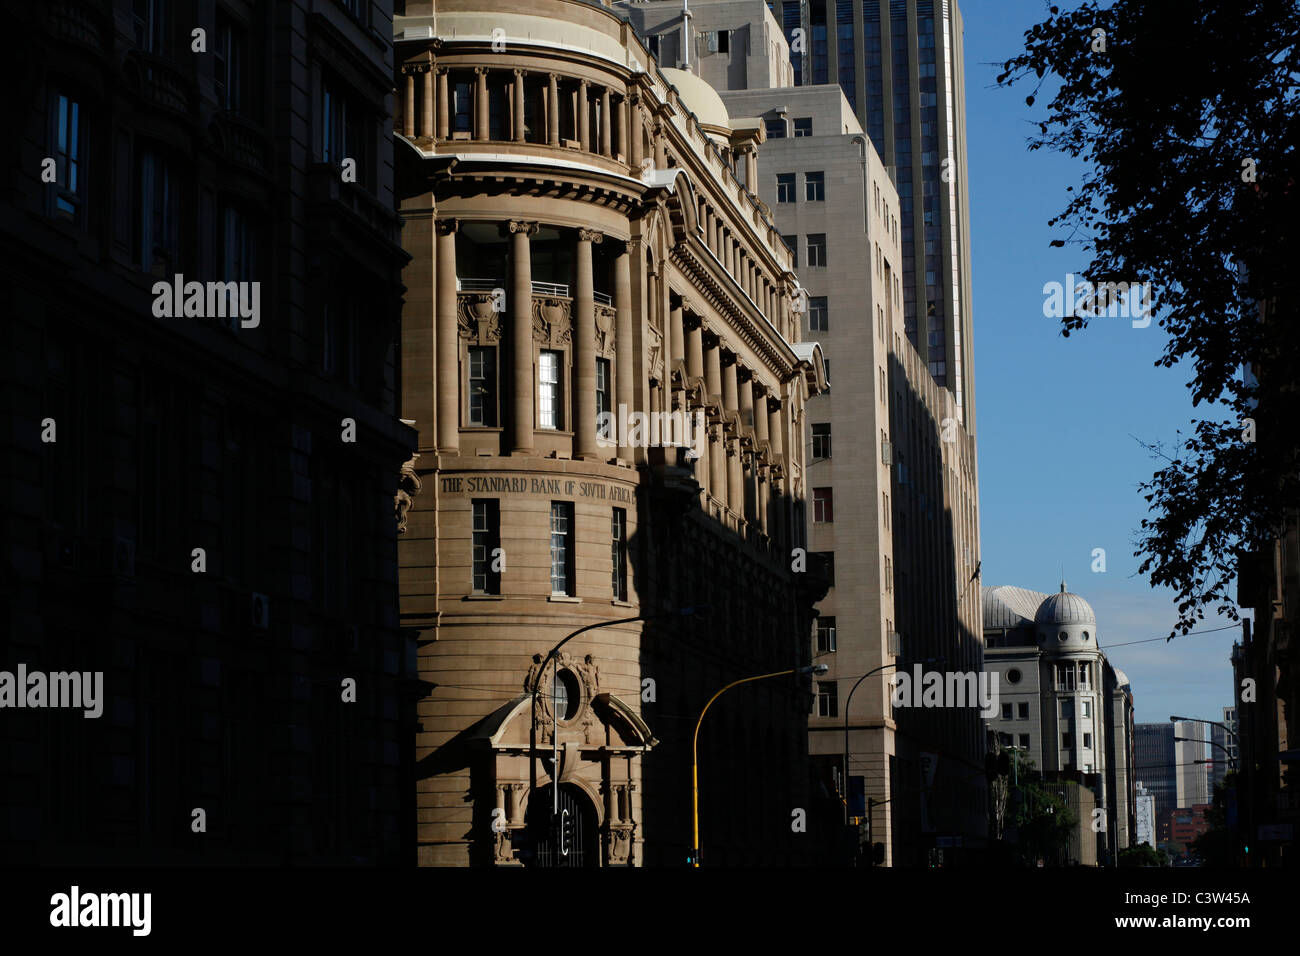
[[123, 557], [886, 452], [260, 611]]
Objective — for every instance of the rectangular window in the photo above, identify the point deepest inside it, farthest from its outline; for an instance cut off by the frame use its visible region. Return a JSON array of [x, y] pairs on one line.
[[486, 545], [1024, 740], [1087, 741], [69, 137], [462, 107], [157, 222], [814, 186], [604, 401], [785, 187], [826, 559], [775, 128], [817, 249], [562, 582], [1022, 710], [1086, 706], [1006, 711], [238, 245], [823, 506], [724, 41], [1067, 740], [803, 126], [818, 314], [483, 386], [549, 393], [828, 699], [821, 441], [147, 20], [889, 574], [618, 554], [825, 635], [1067, 708], [1085, 675]]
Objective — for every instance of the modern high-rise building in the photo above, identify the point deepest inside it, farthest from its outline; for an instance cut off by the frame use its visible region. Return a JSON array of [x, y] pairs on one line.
[[200, 291], [604, 363], [1192, 761], [1153, 765], [1145, 818]]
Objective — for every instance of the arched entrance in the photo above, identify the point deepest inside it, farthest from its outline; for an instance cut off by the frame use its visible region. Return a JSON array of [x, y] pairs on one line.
[[568, 840]]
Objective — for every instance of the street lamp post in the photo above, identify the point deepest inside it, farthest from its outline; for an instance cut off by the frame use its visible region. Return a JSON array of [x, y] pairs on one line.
[[701, 609], [695, 748]]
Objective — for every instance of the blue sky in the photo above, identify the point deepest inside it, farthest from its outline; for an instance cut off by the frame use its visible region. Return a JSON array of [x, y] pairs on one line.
[[1059, 468]]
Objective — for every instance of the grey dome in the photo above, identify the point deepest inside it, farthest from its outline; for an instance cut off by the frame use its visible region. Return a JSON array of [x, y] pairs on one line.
[[1065, 608]]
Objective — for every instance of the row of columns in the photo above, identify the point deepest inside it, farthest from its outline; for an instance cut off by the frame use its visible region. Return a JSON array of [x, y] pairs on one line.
[[741, 265], [519, 331], [622, 118]]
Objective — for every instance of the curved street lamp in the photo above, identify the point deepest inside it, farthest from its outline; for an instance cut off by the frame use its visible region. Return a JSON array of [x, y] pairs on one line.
[[695, 748]]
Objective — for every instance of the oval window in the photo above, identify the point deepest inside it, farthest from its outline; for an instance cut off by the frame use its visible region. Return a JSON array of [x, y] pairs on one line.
[[1013, 676], [1085, 635], [1061, 637], [567, 696]]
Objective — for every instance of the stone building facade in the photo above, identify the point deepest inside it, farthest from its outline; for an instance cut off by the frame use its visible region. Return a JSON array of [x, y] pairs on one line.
[[181, 508], [602, 357]]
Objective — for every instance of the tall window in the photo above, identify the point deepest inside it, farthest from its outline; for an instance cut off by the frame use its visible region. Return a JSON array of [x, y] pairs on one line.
[[549, 393], [817, 249], [147, 21], [828, 699], [346, 133], [785, 187], [825, 635], [618, 554], [817, 314], [814, 186], [228, 63], [69, 150], [1085, 675], [462, 107], [821, 441], [157, 214], [238, 243], [486, 541], [823, 505], [562, 582], [483, 386], [604, 401]]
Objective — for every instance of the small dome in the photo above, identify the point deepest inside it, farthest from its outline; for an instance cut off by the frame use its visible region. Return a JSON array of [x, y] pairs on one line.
[[701, 99], [1121, 679], [1065, 608]]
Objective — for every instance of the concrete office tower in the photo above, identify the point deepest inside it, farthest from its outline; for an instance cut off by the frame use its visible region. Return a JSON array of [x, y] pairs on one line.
[[1062, 702], [900, 65], [1153, 762], [1190, 756], [581, 245]]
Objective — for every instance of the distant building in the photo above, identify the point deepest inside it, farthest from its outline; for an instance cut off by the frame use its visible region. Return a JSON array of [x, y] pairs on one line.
[[1062, 703], [1145, 817], [1153, 763], [1190, 760], [1187, 823]]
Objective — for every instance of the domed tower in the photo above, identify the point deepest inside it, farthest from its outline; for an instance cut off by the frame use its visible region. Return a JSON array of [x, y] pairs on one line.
[[1071, 675]]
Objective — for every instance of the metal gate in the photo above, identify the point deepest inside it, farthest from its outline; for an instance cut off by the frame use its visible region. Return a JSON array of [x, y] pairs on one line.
[[566, 840]]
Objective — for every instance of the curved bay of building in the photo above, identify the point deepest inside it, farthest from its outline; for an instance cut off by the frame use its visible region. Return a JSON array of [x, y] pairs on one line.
[[601, 356]]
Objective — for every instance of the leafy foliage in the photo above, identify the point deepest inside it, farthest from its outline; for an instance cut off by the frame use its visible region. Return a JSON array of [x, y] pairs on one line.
[[1188, 122]]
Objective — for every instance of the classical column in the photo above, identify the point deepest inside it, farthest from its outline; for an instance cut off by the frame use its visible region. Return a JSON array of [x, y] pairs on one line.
[[678, 351], [584, 350], [606, 147], [553, 110], [775, 428], [746, 390], [623, 338], [444, 106], [717, 464], [447, 337], [735, 479], [634, 142], [481, 128], [729, 388], [584, 117], [713, 371], [408, 112], [519, 108], [751, 170], [622, 127], [695, 350], [661, 153], [521, 336], [759, 411]]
